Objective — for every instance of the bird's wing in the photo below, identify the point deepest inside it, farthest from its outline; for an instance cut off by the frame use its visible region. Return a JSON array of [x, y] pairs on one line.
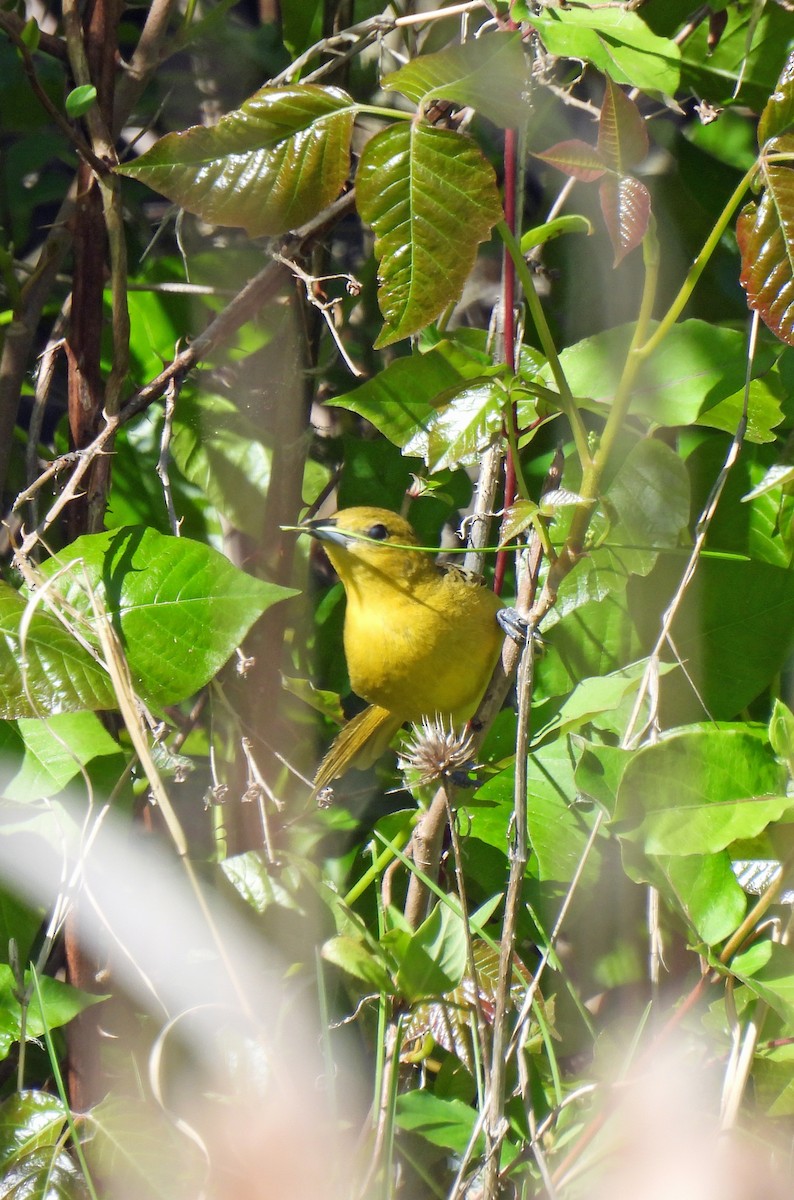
[[358, 744]]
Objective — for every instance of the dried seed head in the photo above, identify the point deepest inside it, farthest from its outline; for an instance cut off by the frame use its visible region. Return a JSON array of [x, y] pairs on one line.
[[435, 752]]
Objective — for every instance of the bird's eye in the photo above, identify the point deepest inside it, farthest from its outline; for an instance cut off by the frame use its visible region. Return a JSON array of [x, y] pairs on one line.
[[378, 533]]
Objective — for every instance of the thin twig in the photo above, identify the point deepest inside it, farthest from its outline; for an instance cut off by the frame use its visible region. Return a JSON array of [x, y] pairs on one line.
[[255, 293], [162, 460], [495, 1125]]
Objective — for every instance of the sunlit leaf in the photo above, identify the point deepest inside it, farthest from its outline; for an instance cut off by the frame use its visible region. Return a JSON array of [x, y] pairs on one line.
[[446, 1123], [697, 791], [268, 166], [61, 1004], [357, 959], [576, 158], [626, 205], [29, 1121], [778, 115], [181, 608], [541, 234], [765, 232], [431, 198], [459, 430], [80, 100], [43, 669], [622, 134], [55, 751], [435, 956], [617, 42], [466, 73]]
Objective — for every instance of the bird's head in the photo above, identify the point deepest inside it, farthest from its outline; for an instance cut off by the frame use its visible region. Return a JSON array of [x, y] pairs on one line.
[[374, 538]]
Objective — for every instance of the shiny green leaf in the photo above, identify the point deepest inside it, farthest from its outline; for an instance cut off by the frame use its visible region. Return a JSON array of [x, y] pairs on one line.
[[697, 791], [269, 166], [181, 608], [431, 198], [617, 42], [466, 75], [80, 100]]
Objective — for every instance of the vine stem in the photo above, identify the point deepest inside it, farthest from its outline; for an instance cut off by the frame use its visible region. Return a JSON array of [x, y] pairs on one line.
[[594, 470], [495, 1121]]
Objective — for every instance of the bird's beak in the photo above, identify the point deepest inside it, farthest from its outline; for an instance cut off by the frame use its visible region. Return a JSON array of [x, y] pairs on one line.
[[325, 530]]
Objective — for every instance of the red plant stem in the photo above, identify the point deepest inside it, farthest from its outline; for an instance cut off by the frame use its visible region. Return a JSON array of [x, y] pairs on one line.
[[508, 329]]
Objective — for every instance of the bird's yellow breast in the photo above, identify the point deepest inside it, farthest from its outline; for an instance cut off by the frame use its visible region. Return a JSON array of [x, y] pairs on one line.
[[420, 645]]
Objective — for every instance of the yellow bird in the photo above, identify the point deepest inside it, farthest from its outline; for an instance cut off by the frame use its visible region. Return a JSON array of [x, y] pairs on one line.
[[421, 640]]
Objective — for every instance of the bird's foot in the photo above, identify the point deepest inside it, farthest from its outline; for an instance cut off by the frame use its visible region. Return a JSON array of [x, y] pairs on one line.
[[517, 627]]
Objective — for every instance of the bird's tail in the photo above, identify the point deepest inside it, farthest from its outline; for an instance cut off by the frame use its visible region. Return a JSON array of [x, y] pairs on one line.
[[358, 744]]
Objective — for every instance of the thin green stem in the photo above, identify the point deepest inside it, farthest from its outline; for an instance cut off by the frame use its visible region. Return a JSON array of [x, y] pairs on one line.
[[384, 859], [565, 398], [622, 400], [698, 266], [593, 472], [59, 1084], [375, 110]]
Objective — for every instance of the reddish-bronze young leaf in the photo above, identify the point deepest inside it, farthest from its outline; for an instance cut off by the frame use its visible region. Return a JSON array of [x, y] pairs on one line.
[[626, 205], [765, 232], [622, 136], [622, 143], [575, 158]]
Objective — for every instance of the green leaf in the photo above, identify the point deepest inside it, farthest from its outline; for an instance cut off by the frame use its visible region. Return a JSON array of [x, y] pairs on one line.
[[43, 669], [352, 955], [30, 35], [706, 889], [554, 229], [80, 99], [764, 410], [466, 74], [29, 1121], [140, 1151], [459, 431], [180, 607], [435, 957], [55, 751], [768, 970], [61, 1004], [617, 42], [269, 166], [402, 400], [765, 232], [431, 198], [44, 1175], [622, 134], [558, 828], [781, 731], [649, 496], [594, 696], [734, 630], [646, 510], [218, 449], [773, 1080], [696, 792], [778, 115], [445, 1123], [697, 366], [744, 67]]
